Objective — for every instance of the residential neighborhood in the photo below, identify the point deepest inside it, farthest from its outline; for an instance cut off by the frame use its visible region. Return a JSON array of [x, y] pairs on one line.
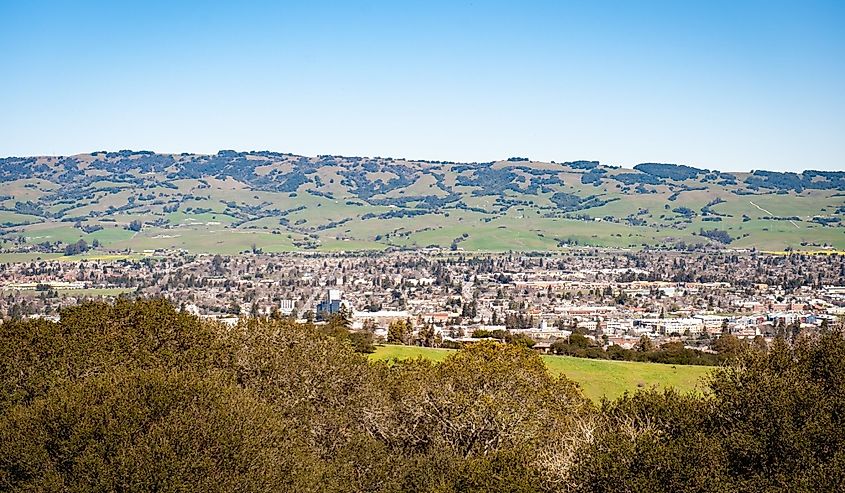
[[610, 298]]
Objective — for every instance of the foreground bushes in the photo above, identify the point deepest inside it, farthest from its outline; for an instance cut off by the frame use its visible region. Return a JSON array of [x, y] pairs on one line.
[[774, 421], [145, 430], [137, 396]]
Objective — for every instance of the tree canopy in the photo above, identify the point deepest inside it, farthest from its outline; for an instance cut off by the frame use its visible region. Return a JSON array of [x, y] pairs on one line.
[[139, 396]]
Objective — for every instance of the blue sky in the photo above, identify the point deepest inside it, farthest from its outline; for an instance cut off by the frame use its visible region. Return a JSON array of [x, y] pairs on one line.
[[727, 85]]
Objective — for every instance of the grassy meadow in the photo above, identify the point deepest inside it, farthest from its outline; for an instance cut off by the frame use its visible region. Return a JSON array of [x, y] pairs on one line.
[[597, 378]]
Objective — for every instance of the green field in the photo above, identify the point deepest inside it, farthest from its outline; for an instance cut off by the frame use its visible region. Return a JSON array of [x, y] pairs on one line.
[[597, 378], [76, 293], [9, 218], [9, 258], [94, 292]]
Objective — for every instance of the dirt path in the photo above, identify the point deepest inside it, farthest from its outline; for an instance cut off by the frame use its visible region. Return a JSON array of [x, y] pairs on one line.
[[772, 215]]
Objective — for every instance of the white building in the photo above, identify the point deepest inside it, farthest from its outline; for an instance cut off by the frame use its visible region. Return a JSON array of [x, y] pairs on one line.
[[286, 307]]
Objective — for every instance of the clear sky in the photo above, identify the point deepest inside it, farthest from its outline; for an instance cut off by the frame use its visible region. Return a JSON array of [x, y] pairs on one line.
[[730, 85]]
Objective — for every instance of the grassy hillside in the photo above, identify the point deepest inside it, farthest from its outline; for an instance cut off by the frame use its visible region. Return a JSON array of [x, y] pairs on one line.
[[597, 378], [231, 202]]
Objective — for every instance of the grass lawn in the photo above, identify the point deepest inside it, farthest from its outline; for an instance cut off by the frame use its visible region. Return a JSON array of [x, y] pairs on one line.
[[91, 292], [9, 218], [95, 292], [90, 255], [597, 378], [8, 258], [201, 239], [104, 256], [107, 236], [52, 231]]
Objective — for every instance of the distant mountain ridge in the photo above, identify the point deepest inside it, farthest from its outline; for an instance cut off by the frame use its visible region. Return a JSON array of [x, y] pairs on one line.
[[360, 202], [233, 163]]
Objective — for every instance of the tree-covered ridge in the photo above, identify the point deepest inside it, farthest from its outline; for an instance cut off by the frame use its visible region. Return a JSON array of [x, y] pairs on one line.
[[678, 172], [811, 179], [138, 396]]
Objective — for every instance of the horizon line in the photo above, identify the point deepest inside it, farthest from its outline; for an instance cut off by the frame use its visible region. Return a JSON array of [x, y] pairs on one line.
[[417, 160]]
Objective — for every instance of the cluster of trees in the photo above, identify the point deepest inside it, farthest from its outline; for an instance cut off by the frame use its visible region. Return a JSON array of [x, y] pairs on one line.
[[637, 179], [568, 202], [707, 210], [518, 321], [30, 207], [402, 332], [582, 164], [593, 176], [492, 181], [719, 235], [339, 327], [139, 396], [669, 353], [76, 248], [505, 336], [684, 211], [810, 179], [677, 172]]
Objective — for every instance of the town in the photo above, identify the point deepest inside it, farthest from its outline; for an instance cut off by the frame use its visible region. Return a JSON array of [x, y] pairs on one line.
[[444, 298]]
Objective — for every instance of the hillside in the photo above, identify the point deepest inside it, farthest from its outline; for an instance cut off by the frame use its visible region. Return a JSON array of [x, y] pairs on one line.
[[235, 201]]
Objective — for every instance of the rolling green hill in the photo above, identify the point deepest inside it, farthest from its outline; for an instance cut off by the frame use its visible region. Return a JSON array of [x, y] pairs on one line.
[[597, 378], [234, 201]]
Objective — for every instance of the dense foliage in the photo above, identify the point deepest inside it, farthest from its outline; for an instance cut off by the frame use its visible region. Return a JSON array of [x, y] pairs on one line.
[[637, 178], [773, 422], [137, 396], [719, 235], [811, 179], [677, 172], [674, 352]]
